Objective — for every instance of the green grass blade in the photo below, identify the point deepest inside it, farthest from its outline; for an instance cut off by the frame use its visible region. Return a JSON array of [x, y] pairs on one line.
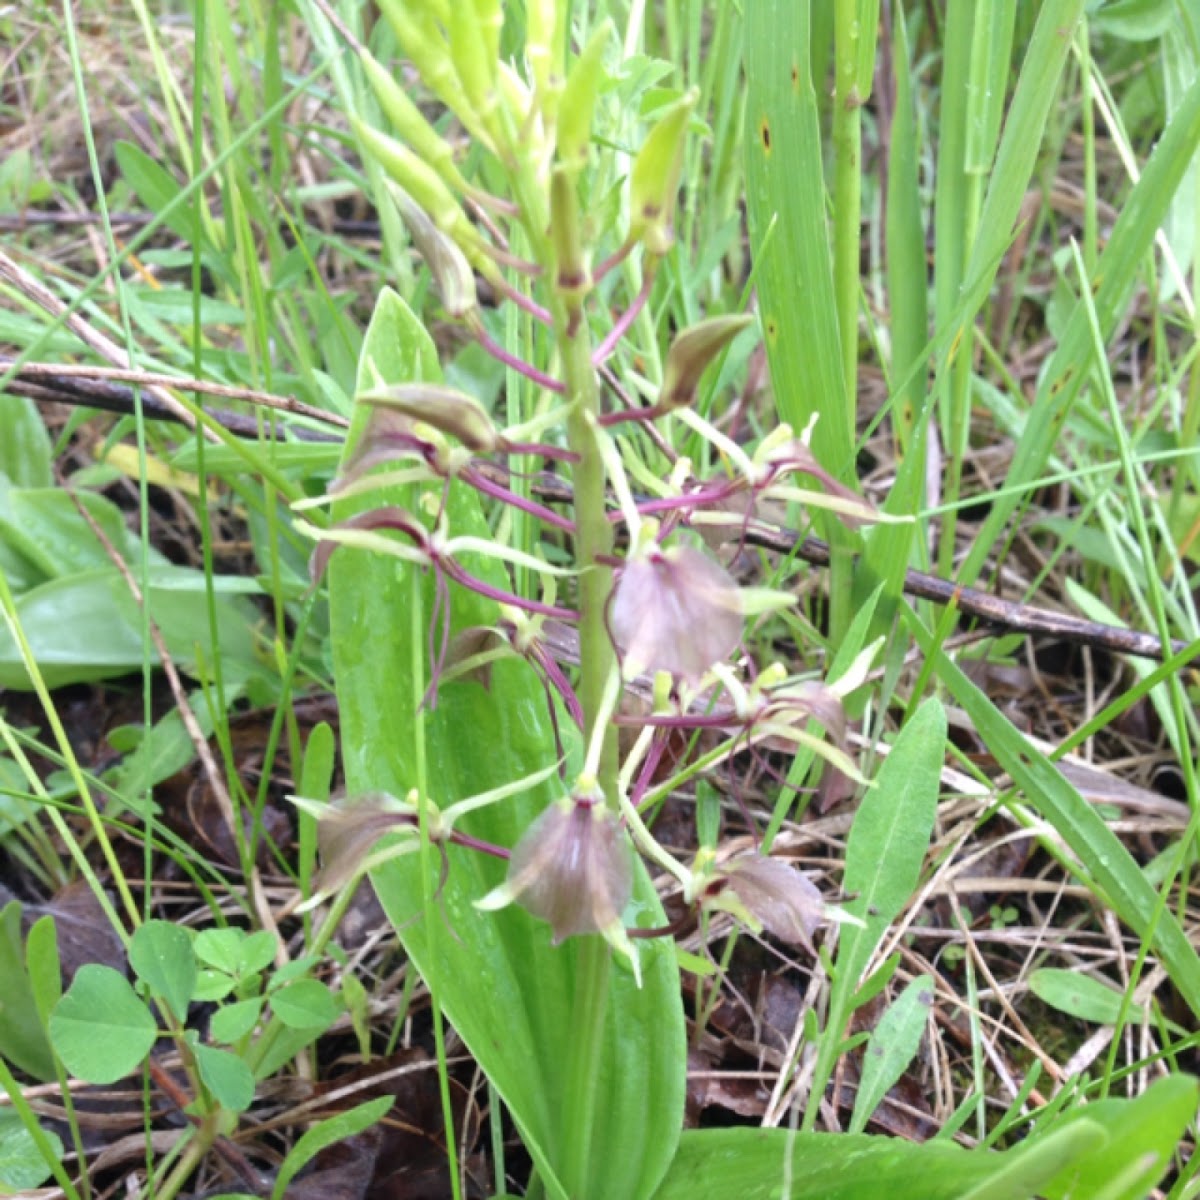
[[1108, 863], [789, 234], [1132, 237]]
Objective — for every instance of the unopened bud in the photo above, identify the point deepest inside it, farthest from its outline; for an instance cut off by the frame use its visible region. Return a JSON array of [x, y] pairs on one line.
[[654, 180], [579, 99], [444, 408], [691, 352]]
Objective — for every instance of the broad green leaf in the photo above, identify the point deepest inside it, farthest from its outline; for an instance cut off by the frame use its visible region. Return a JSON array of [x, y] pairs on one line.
[[24, 443], [1076, 994], [789, 234], [226, 1076], [884, 854], [22, 1166], [256, 952], [22, 1040], [162, 957], [45, 525], [1143, 1135], [766, 1164], [1135, 20], [166, 747], [212, 985], [100, 1029], [44, 967], [306, 1004], [890, 836], [507, 991], [231, 1022], [891, 1047], [220, 948], [87, 627], [1105, 859], [326, 1133]]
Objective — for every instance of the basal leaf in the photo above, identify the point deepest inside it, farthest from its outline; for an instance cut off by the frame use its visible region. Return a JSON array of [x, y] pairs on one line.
[[24, 443], [22, 1166], [506, 990], [326, 1133]]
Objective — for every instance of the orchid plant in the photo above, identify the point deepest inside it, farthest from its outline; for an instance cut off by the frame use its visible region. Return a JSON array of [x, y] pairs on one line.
[[642, 591], [667, 610]]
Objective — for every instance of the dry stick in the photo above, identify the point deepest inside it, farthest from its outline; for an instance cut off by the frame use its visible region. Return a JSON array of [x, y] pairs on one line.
[[209, 764], [48, 302], [971, 602], [55, 374]]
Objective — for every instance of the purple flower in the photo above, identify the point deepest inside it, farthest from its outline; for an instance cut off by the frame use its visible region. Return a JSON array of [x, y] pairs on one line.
[[572, 869], [770, 894], [675, 610]]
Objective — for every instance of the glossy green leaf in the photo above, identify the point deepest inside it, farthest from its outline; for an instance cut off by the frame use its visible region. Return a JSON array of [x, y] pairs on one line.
[[887, 847], [87, 627], [161, 955], [44, 525], [1135, 20], [1143, 1135], [100, 1029], [231, 1022], [789, 234], [1076, 994], [890, 836], [306, 1004], [507, 991], [891, 1047]]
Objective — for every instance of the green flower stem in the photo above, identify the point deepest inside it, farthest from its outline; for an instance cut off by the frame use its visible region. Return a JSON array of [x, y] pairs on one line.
[[558, 258], [594, 539]]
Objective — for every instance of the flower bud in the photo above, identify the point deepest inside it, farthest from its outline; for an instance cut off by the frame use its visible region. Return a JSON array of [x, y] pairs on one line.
[[411, 125], [545, 42], [470, 52], [425, 46], [579, 99], [573, 279], [444, 408], [572, 869], [424, 185], [675, 610], [691, 352], [654, 180]]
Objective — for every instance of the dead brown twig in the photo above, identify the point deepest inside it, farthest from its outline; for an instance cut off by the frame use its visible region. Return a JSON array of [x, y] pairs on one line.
[[97, 388]]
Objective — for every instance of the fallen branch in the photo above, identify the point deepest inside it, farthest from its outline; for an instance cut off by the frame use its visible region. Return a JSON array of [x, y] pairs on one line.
[[96, 388]]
